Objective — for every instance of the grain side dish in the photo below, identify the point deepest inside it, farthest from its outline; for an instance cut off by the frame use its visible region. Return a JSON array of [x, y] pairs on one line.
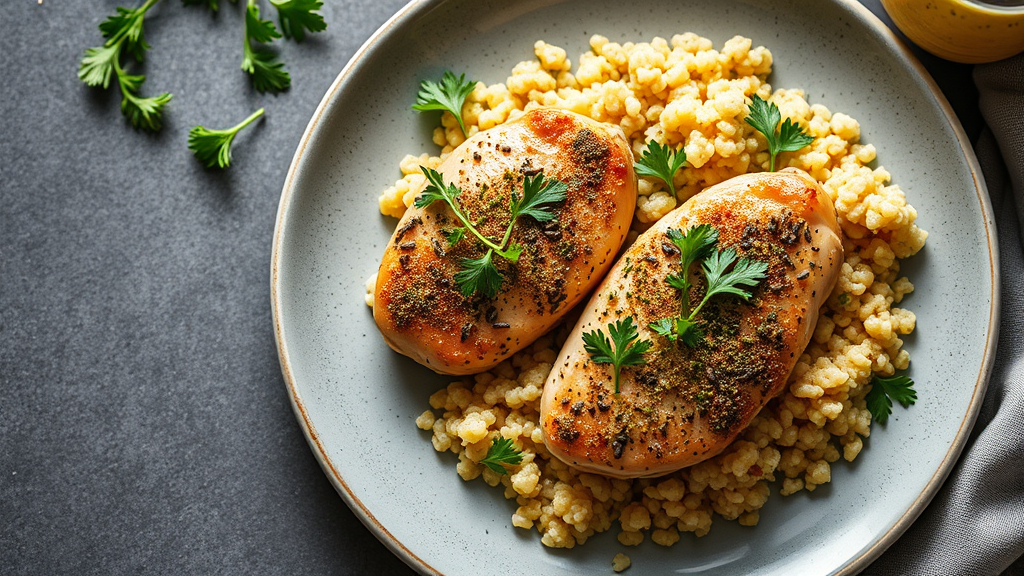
[[684, 92]]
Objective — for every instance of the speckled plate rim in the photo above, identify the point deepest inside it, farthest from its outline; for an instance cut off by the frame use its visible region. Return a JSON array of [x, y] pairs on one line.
[[415, 9]]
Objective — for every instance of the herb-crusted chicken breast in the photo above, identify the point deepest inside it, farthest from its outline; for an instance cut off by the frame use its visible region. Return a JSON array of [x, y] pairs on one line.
[[427, 311], [685, 403]]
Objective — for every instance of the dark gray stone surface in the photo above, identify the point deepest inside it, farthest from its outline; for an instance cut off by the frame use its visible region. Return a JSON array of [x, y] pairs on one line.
[[144, 424]]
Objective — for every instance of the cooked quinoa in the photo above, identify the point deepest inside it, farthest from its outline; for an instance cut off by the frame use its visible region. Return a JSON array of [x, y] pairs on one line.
[[684, 92]]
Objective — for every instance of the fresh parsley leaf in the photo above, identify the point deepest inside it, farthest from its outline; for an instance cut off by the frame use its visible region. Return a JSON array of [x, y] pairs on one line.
[[622, 350], [744, 273], [502, 453], [512, 252], [678, 281], [98, 65], [448, 95], [123, 31], [268, 74], [142, 113], [126, 25], [884, 390], [538, 194], [664, 327], [694, 245], [455, 235], [436, 189], [256, 28], [213, 147], [660, 161], [298, 16], [792, 137], [688, 331], [479, 275], [765, 118], [698, 245]]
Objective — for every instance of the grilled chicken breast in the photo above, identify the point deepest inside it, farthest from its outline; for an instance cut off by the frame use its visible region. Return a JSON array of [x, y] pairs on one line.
[[417, 303], [684, 404]]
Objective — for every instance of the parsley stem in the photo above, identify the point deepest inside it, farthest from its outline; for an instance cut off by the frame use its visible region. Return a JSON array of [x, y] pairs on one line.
[[684, 304], [248, 120], [126, 92], [246, 47], [697, 309]]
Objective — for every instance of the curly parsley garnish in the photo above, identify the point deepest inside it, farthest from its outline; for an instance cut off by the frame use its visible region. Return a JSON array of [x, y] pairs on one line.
[[622, 350], [765, 117], [696, 245], [660, 161], [502, 453], [268, 75], [213, 147], [884, 391], [123, 31], [480, 274], [449, 94]]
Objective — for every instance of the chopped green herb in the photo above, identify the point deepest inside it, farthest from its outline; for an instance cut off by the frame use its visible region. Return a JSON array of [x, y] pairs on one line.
[[884, 391], [765, 118], [621, 350], [213, 147], [448, 95], [660, 161], [502, 453]]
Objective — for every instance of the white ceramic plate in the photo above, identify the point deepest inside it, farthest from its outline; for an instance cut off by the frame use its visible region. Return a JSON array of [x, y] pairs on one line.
[[357, 400]]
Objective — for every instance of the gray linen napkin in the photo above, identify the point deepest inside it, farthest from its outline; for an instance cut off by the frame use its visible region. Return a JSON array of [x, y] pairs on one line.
[[975, 524]]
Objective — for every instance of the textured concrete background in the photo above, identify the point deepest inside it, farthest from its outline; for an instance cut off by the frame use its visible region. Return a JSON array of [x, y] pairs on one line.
[[144, 424]]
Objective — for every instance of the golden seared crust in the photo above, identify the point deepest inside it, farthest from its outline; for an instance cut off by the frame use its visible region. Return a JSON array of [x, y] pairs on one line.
[[417, 304], [686, 404]]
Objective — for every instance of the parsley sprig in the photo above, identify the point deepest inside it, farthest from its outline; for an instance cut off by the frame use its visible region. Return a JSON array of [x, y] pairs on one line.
[[268, 74], [883, 390], [502, 453], [213, 147], [480, 274], [449, 94], [765, 117], [723, 271], [660, 161], [123, 32], [624, 348]]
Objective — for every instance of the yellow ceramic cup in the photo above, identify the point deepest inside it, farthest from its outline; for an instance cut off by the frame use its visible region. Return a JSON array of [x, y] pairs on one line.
[[962, 30]]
